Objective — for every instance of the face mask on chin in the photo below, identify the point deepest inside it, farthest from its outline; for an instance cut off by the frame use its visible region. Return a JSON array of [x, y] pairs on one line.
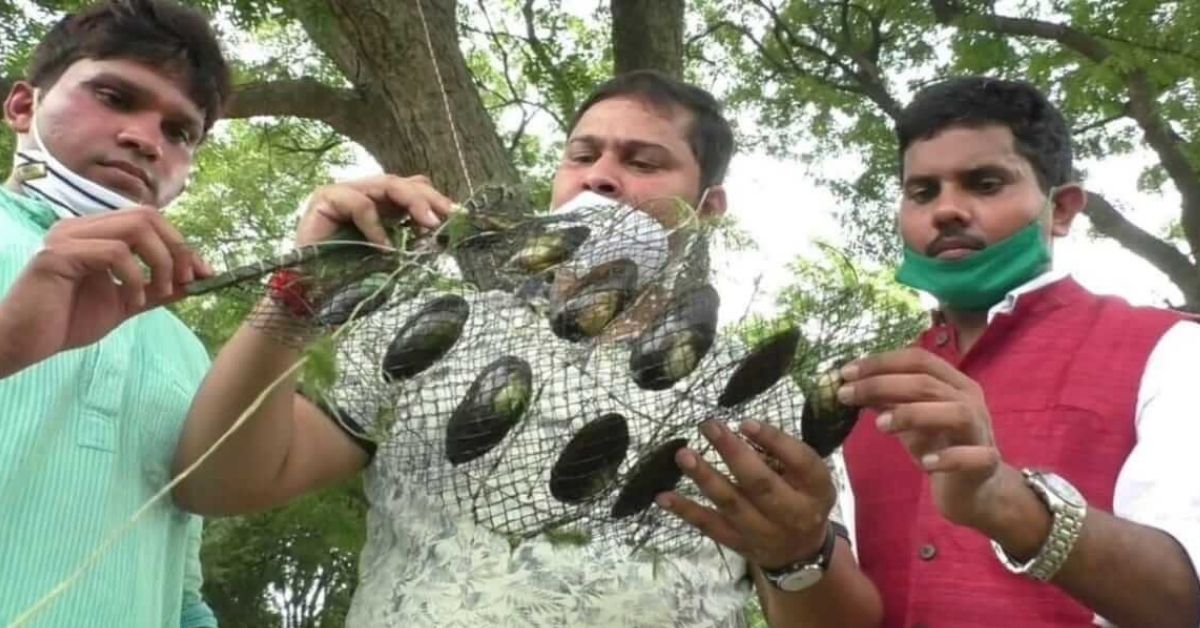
[[983, 278], [40, 175]]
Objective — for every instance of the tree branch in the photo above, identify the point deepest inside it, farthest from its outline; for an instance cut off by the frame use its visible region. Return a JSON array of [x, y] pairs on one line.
[[301, 98], [1142, 106], [1166, 258]]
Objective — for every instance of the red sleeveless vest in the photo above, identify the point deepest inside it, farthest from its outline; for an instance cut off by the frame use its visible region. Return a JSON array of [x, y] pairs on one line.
[[1061, 376]]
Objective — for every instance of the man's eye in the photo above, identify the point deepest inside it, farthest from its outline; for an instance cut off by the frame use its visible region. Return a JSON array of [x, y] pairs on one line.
[[179, 135], [643, 165], [112, 98], [921, 193], [581, 158], [988, 185]]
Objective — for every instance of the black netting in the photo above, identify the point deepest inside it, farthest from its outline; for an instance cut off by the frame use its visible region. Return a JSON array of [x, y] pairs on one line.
[[540, 372]]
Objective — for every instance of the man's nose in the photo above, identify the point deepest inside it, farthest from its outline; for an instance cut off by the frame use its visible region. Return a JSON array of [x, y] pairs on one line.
[[603, 177], [952, 206], [142, 133]]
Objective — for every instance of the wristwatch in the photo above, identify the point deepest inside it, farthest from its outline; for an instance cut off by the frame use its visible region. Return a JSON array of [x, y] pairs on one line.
[[1068, 508], [802, 574]]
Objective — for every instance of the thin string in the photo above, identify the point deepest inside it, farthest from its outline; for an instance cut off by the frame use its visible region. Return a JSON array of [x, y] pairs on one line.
[[462, 159]]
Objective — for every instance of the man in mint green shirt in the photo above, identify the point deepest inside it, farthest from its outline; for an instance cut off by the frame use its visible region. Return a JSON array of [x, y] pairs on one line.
[[95, 377]]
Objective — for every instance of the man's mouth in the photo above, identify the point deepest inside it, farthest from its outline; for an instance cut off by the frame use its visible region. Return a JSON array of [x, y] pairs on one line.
[[139, 176], [954, 247]]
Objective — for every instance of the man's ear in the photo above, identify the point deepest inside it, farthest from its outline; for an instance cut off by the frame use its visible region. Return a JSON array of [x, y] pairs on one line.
[[1069, 200], [18, 107], [713, 202]]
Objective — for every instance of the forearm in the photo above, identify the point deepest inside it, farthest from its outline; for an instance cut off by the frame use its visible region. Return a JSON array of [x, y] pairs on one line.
[[843, 597], [1130, 574], [246, 467]]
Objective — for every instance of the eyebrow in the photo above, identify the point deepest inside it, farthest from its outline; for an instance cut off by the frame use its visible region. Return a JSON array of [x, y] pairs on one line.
[[975, 171], [627, 145], [194, 123]]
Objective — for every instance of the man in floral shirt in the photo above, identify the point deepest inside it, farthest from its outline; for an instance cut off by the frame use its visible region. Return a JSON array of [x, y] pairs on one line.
[[430, 559]]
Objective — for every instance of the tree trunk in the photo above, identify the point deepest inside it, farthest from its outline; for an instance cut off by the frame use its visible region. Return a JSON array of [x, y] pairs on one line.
[[648, 34], [381, 48]]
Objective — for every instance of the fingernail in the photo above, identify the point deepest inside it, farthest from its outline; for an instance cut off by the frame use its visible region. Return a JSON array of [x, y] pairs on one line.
[[750, 427], [884, 421], [850, 371], [711, 429], [663, 500], [845, 394], [685, 459], [929, 461]]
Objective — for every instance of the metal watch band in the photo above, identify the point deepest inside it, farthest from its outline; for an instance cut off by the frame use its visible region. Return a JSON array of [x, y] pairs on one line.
[[1068, 508], [780, 576]]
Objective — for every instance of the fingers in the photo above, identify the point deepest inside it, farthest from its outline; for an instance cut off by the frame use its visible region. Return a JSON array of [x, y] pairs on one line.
[[141, 232], [799, 498], [368, 203], [888, 389], [910, 360], [341, 204], [112, 258], [708, 521], [427, 207], [977, 461], [802, 467], [754, 510], [730, 500], [949, 419]]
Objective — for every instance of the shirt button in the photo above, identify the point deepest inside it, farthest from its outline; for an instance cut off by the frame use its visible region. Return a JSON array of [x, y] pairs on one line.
[[942, 338], [927, 551]]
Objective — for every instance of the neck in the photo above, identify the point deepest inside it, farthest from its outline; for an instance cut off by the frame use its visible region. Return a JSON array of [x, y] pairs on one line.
[[969, 324], [12, 185]]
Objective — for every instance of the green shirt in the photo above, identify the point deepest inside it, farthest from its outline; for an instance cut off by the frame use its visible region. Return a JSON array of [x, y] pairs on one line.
[[87, 437]]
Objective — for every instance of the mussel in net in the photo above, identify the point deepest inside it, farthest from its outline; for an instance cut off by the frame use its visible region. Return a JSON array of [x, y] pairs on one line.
[[761, 368], [597, 298], [826, 422], [674, 346], [654, 473], [590, 460], [494, 403], [358, 299], [425, 337], [549, 248]]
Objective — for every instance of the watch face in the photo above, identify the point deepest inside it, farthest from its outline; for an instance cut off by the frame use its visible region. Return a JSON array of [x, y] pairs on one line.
[[800, 580], [1062, 489]]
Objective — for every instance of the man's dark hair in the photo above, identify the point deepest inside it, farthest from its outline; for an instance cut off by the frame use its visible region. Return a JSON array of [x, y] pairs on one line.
[[710, 136], [1039, 132], [159, 33]]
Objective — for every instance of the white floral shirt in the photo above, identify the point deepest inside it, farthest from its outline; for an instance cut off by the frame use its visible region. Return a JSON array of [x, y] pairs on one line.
[[460, 545]]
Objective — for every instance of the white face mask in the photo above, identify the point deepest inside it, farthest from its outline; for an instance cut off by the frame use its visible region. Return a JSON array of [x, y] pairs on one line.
[[40, 175], [618, 231]]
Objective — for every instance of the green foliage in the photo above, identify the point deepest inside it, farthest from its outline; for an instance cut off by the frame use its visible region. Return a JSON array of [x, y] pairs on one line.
[[249, 181], [293, 567], [822, 80], [843, 311], [533, 69]]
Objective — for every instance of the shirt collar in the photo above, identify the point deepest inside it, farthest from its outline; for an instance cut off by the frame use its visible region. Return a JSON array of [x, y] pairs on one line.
[[1009, 302]]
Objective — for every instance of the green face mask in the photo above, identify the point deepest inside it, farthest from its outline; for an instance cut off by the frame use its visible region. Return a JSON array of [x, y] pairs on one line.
[[980, 280]]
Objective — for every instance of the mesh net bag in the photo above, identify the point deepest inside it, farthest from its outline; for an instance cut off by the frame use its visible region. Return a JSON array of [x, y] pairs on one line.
[[538, 373]]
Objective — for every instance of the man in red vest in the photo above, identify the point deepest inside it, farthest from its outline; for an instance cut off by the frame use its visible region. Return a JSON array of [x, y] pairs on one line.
[[1030, 462]]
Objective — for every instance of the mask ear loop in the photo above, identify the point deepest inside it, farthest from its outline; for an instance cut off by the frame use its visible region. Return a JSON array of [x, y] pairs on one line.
[[703, 199]]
